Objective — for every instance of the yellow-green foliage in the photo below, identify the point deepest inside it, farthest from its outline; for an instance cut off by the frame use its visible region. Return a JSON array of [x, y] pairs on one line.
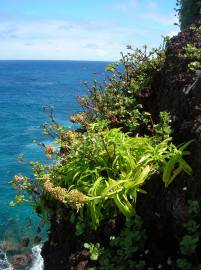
[[100, 170], [194, 55], [105, 170]]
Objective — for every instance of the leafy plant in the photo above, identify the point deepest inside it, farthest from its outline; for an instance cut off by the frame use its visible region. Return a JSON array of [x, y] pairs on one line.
[[105, 171], [176, 164], [184, 264], [116, 100], [94, 249], [189, 11], [194, 55], [191, 238], [122, 248]]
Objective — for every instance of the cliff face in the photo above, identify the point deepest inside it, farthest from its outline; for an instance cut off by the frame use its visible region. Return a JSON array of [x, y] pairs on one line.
[[177, 90], [60, 245], [174, 87]]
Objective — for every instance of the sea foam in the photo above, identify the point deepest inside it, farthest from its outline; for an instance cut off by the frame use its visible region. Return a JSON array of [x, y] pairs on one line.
[[4, 263], [38, 259]]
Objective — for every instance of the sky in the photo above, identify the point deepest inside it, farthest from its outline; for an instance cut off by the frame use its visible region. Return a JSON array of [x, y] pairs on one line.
[[81, 29]]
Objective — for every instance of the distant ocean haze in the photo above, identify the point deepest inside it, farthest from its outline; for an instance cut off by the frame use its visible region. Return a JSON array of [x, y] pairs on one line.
[[25, 88]]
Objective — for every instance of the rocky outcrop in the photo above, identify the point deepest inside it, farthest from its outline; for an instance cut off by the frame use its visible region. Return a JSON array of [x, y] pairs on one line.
[[177, 90], [61, 243], [20, 261]]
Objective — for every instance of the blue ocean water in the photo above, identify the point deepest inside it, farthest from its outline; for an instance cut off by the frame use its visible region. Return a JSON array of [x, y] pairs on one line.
[[25, 88]]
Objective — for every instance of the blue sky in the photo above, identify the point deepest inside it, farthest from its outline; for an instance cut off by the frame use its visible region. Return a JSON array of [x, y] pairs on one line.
[[81, 29]]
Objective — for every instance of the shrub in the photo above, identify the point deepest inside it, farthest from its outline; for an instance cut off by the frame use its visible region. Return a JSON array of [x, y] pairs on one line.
[[189, 11], [105, 170], [97, 171], [117, 99]]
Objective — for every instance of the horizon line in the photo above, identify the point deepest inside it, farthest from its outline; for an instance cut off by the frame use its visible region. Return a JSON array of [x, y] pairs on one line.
[[63, 60]]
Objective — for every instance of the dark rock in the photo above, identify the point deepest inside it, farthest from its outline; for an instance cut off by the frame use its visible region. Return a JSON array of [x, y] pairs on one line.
[[38, 229], [63, 235], [37, 239], [19, 261], [82, 265], [177, 90], [25, 242], [8, 246]]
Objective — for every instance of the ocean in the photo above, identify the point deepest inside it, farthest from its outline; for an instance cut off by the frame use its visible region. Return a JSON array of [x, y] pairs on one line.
[[25, 88]]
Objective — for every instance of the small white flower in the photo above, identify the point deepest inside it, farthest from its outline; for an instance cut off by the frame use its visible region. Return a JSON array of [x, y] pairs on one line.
[[169, 261]]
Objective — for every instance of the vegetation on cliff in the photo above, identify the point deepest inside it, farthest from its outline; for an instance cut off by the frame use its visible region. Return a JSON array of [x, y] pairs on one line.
[[97, 171], [189, 12], [119, 191]]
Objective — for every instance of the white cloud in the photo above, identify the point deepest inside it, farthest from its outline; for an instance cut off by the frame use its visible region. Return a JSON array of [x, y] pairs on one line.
[[172, 33], [135, 6], [155, 17], [148, 10], [126, 5], [62, 39], [132, 22]]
